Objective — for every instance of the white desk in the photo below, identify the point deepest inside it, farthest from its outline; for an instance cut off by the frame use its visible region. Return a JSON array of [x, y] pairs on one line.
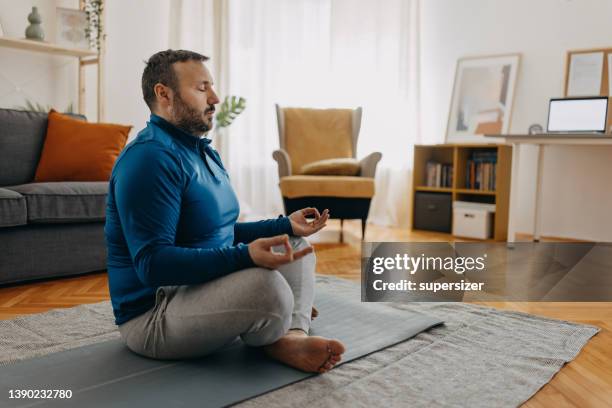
[[540, 141]]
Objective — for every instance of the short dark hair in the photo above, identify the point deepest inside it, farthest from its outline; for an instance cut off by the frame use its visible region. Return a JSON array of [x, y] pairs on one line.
[[159, 70]]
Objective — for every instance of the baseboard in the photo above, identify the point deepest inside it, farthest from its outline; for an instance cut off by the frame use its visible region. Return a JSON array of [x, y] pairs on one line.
[[523, 236]]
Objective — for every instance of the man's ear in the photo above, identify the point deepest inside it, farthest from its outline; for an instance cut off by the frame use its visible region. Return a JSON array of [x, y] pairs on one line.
[[163, 94]]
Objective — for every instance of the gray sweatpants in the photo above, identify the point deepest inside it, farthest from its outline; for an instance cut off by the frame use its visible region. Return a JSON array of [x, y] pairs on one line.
[[256, 304]]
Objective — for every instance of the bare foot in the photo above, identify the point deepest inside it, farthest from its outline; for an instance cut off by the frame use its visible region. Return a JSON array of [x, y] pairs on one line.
[[312, 354], [314, 313]]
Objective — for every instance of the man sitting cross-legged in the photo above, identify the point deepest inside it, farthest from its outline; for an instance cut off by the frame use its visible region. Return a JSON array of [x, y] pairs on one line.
[[185, 278]]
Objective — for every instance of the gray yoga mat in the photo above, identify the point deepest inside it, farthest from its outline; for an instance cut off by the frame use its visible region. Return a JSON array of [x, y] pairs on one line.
[[108, 374]]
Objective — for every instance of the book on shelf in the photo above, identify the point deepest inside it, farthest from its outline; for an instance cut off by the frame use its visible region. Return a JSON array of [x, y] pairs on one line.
[[481, 171], [438, 174]]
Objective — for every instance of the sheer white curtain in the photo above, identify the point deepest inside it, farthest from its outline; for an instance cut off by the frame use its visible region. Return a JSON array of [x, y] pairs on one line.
[[317, 53]]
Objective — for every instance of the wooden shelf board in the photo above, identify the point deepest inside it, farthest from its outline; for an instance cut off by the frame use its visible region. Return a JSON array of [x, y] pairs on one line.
[[456, 190], [434, 189], [472, 191], [487, 145], [44, 47]]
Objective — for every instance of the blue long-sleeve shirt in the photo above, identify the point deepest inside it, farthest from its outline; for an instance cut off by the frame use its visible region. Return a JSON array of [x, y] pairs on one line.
[[171, 218]]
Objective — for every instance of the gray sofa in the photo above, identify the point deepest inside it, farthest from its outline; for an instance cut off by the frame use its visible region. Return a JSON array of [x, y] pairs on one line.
[[46, 229]]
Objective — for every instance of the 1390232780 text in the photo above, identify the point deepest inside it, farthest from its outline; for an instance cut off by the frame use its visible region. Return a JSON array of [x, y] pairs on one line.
[[39, 394]]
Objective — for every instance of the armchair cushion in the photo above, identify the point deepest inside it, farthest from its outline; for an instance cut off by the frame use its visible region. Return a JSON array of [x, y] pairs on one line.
[[327, 186], [332, 167], [317, 134]]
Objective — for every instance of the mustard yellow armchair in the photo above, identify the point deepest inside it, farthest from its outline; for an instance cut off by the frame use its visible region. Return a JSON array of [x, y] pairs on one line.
[[311, 135]]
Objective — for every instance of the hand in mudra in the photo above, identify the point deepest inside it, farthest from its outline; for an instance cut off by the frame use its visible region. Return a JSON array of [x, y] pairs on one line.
[[300, 224], [261, 252]]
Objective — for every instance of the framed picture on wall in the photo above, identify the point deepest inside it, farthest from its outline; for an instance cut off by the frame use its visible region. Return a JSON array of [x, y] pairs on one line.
[[70, 28], [482, 98]]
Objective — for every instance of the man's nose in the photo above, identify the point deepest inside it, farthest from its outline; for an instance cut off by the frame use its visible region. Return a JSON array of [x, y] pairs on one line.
[[213, 99]]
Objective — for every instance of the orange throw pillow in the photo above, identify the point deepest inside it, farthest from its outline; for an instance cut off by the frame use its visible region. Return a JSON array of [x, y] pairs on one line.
[[76, 150]]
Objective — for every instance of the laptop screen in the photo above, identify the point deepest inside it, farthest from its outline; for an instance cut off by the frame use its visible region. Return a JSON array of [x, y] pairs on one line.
[[578, 115]]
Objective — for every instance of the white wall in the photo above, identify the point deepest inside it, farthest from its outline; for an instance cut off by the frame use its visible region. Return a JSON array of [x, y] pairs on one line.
[[577, 193], [135, 30], [39, 78]]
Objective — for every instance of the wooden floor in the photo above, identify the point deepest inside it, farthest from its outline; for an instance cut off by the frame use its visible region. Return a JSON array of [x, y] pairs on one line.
[[585, 382]]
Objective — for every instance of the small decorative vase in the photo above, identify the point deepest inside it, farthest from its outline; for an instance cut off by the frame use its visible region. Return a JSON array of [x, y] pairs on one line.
[[34, 30]]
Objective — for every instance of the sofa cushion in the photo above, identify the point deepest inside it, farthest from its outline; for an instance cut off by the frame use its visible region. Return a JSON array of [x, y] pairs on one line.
[[327, 186], [22, 135], [75, 150], [66, 201], [12, 208]]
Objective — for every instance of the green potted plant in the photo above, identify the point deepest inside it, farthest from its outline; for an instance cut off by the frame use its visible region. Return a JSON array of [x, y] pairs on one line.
[[229, 110]]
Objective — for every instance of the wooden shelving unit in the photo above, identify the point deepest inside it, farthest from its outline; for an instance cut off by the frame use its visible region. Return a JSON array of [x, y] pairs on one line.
[[45, 47], [85, 57], [458, 155]]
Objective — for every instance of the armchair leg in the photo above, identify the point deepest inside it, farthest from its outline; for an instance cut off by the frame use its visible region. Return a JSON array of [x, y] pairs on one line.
[[341, 232], [363, 228]]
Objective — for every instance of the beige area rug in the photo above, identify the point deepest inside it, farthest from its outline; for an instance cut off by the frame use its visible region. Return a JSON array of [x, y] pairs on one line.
[[480, 357]]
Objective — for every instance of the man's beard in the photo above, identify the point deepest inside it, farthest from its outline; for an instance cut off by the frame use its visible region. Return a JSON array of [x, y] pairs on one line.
[[189, 119]]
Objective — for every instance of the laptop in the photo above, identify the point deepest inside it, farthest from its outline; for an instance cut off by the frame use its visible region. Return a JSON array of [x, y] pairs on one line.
[[584, 115]]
